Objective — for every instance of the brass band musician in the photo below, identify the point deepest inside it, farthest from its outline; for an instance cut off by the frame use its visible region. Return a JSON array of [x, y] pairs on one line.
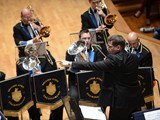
[[93, 18], [26, 32], [90, 53]]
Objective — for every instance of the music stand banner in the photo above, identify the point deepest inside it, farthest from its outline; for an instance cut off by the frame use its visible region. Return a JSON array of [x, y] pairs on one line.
[[146, 76], [16, 95], [89, 85], [49, 88]]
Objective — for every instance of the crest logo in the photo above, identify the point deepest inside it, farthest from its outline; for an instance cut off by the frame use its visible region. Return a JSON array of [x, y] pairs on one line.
[[16, 95], [95, 87], [51, 88]]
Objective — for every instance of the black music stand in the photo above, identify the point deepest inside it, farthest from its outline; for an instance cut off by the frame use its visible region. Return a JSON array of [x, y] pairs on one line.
[[146, 77], [49, 88], [89, 85], [79, 112], [152, 114], [16, 95]]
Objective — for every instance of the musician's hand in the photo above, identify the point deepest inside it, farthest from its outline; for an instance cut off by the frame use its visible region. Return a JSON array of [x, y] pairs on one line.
[[64, 63], [100, 12], [36, 39], [100, 28]]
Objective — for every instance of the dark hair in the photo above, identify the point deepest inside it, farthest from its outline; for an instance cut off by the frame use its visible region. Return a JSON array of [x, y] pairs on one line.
[[83, 31], [117, 40]]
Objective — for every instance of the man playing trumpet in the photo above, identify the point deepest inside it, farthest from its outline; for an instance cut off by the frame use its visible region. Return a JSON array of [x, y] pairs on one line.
[[93, 19]]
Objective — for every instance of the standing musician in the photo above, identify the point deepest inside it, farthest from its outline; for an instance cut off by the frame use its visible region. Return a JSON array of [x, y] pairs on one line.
[[93, 18], [143, 53], [25, 33], [91, 53]]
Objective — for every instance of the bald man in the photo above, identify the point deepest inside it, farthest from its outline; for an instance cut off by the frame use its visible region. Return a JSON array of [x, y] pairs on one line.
[[143, 53], [24, 34]]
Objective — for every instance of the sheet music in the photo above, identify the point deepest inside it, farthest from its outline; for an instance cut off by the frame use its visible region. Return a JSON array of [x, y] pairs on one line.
[[92, 112], [152, 115]]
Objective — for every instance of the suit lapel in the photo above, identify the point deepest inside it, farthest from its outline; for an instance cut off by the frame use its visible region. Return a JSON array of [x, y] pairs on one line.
[[92, 17]]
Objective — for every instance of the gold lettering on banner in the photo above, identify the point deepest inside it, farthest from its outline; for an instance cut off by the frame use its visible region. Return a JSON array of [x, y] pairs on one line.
[[52, 98]]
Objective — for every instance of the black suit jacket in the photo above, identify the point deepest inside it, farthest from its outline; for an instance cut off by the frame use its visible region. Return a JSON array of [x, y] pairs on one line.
[[88, 22], [145, 56], [120, 87], [97, 57], [19, 35]]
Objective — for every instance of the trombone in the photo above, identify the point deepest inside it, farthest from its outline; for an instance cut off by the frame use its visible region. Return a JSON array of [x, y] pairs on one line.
[[43, 32]]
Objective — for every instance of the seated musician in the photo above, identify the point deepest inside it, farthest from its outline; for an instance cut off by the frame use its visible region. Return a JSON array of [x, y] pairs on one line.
[[90, 53], [25, 32]]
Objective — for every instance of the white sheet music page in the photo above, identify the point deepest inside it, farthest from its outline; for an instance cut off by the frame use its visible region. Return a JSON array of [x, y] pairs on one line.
[[152, 115], [92, 112]]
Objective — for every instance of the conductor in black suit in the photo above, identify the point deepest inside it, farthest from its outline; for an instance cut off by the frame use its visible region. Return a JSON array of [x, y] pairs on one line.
[[120, 87], [93, 19], [25, 32]]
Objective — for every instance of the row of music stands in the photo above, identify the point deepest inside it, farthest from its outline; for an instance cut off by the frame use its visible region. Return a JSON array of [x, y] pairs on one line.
[[17, 93], [51, 87]]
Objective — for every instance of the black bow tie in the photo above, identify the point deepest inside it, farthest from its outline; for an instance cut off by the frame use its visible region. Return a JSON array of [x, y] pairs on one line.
[[95, 11]]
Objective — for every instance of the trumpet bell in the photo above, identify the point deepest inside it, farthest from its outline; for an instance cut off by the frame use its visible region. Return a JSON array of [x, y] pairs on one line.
[[110, 19], [77, 47], [29, 63]]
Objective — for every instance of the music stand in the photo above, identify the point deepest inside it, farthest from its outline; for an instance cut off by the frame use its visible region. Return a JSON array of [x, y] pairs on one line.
[[152, 114], [49, 88], [41, 47], [89, 85], [16, 95], [79, 112]]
